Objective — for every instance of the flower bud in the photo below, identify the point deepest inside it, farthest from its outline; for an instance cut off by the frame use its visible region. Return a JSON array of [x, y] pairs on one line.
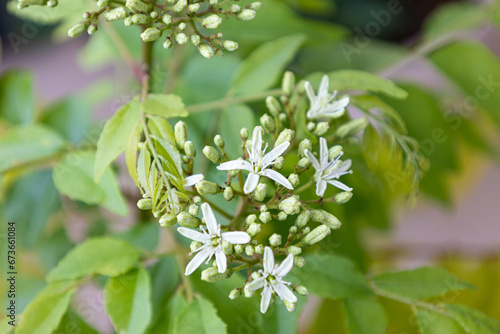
[[195, 245], [268, 123], [145, 204], [244, 133], [249, 250], [77, 30], [235, 293], [180, 133], [292, 230], [321, 129], [294, 250], [304, 162], [137, 6], [167, 44], [102, 3], [285, 135], [316, 235], [301, 290], [291, 307], [211, 22], [273, 105], [181, 26], [194, 209], [299, 261], [290, 205], [343, 197], [195, 39], [206, 51], [263, 208], [212, 274], [92, 29], [229, 45], [294, 180], [219, 141], [352, 127], [265, 217], [253, 229], [248, 293], [251, 219], [255, 5], [212, 154], [141, 18], [151, 34], [310, 126], [193, 8], [167, 19], [187, 220], [260, 192], [235, 9], [331, 221], [154, 15], [306, 230], [282, 117], [181, 38], [228, 193], [168, 219], [303, 218], [282, 216], [212, 2], [303, 146], [189, 149], [334, 152], [207, 188], [227, 248], [180, 6], [52, 3], [275, 240], [239, 249], [288, 82], [259, 249], [197, 199], [246, 14]]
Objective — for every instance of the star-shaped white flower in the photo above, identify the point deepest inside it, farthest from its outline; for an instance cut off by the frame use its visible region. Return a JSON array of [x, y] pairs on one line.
[[193, 179], [328, 171], [212, 241], [272, 280], [259, 163], [322, 105]]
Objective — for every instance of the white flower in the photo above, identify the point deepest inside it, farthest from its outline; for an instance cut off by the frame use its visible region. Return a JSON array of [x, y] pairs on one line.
[[193, 179], [272, 280], [212, 241], [259, 163], [328, 171], [323, 105]]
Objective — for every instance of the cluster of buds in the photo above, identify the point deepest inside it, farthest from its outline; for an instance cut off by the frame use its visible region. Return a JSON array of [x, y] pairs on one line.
[[25, 3]]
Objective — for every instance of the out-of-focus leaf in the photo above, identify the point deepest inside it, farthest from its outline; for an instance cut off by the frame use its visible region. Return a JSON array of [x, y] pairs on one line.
[[199, 317], [421, 283], [143, 236], [104, 256], [72, 323], [263, 67], [474, 321], [127, 300], [233, 118], [74, 177], [166, 323], [114, 136], [435, 323], [25, 144], [321, 319], [16, 97], [52, 248], [365, 316], [372, 103], [164, 105], [371, 144]]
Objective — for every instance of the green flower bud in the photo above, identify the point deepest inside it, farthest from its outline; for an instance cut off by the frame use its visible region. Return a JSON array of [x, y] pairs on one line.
[[301, 290], [228, 193], [128, 21], [156, 213], [229, 45], [212, 2], [244, 133], [227, 248], [154, 15], [306, 230], [219, 141], [116, 14], [137, 6], [263, 208], [334, 152], [180, 133], [280, 162], [180, 6], [282, 117], [255, 275], [285, 135], [303, 218], [102, 3], [206, 51], [187, 220], [249, 250], [207, 188], [303, 146], [288, 82], [189, 149], [145, 204], [294, 250], [212, 154], [195, 39], [235, 293], [352, 127], [195, 245], [331, 221], [275, 240], [193, 8], [299, 261], [168, 219], [259, 249], [186, 159], [268, 123], [92, 29], [260, 192], [290, 205], [194, 210], [255, 5], [181, 38], [167, 19], [167, 44], [197, 199], [253, 229], [151, 34], [246, 14], [310, 126], [141, 18], [212, 274], [251, 219], [282, 216], [304, 162], [273, 105], [294, 180], [248, 293], [235, 9], [181, 26], [239, 249], [211, 22], [343, 197], [291, 307], [316, 235], [292, 230], [77, 30], [265, 217], [52, 3], [86, 15], [321, 129]]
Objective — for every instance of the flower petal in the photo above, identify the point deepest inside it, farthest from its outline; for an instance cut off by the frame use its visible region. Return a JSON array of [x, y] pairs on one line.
[[310, 92], [251, 183], [340, 185], [274, 153], [193, 179], [274, 175], [285, 293], [221, 260], [256, 284], [236, 238], [323, 152], [197, 260], [256, 143], [193, 235], [236, 164], [285, 266], [268, 260], [266, 298], [344, 166], [323, 87], [313, 159], [208, 214], [320, 187]]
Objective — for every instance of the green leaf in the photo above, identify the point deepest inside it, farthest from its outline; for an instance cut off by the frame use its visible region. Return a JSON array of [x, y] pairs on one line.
[[115, 134], [164, 105], [334, 277], [45, 312], [104, 256], [144, 236], [73, 323], [421, 283], [21, 145], [475, 69], [365, 316], [233, 118], [370, 102], [166, 323], [371, 146], [131, 152], [473, 321], [16, 97], [263, 67], [74, 177], [435, 323], [201, 317], [127, 300]]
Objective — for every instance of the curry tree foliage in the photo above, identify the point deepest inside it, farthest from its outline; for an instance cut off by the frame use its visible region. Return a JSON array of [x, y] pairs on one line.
[[249, 176]]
